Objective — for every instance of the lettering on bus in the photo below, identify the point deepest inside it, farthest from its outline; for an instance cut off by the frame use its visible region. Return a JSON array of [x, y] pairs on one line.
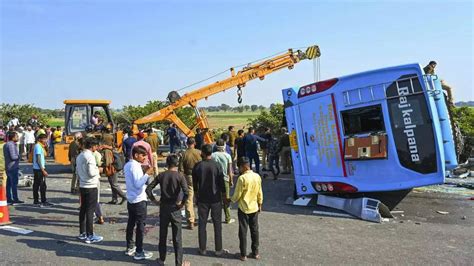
[[411, 124], [409, 130]]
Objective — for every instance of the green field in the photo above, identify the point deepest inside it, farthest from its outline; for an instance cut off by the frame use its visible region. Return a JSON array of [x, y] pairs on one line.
[[224, 119], [54, 122], [216, 120]]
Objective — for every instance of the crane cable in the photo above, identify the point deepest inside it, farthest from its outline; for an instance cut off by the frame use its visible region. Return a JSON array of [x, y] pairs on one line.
[[238, 66]]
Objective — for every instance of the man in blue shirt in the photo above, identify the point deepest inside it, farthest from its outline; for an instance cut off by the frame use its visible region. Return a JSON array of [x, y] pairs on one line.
[[251, 147], [173, 137], [12, 160], [127, 145], [39, 170]]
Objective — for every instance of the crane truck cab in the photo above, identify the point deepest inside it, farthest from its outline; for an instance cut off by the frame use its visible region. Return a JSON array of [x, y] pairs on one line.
[[78, 117], [378, 133]]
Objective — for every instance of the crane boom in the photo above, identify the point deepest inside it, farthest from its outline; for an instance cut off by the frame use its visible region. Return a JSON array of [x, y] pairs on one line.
[[248, 73]]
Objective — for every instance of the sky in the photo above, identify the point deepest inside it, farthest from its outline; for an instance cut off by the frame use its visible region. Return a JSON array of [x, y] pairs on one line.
[[136, 51]]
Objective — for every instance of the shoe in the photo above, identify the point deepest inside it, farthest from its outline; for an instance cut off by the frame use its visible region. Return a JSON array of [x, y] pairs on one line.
[[112, 202], [130, 251], [46, 204], [160, 262], [37, 204], [144, 255], [9, 203], [18, 202], [222, 253], [202, 252], [100, 220], [230, 221], [94, 239], [122, 201], [190, 226], [82, 236], [254, 256]]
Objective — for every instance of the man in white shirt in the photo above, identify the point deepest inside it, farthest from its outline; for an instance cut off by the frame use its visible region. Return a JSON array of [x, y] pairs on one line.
[[29, 139], [14, 122], [136, 181], [89, 174]]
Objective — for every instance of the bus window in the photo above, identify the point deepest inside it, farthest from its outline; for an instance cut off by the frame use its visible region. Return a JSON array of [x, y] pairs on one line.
[[363, 120]]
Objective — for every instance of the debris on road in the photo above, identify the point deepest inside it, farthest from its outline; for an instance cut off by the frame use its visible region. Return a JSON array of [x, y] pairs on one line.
[[397, 212], [333, 214], [16, 230], [442, 212]]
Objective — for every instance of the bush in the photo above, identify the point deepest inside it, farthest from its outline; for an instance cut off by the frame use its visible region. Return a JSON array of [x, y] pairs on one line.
[[23, 112], [131, 113], [274, 119]]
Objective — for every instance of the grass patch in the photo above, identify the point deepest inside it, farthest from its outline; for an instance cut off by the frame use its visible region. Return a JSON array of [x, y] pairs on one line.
[[54, 122], [225, 119]]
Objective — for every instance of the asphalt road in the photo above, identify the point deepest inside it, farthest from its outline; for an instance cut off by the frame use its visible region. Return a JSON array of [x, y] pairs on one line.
[[289, 235]]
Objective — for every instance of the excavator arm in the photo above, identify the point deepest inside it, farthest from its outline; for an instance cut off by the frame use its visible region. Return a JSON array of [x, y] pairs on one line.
[[246, 74]]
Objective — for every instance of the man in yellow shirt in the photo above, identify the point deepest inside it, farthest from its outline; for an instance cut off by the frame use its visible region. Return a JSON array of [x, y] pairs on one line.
[[248, 193], [56, 137]]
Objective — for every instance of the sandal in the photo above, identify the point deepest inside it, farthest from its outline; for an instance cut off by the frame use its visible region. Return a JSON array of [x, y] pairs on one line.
[[242, 258], [254, 256]]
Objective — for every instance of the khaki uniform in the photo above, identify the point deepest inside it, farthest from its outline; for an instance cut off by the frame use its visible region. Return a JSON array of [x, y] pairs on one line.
[[232, 136], [285, 153], [74, 151], [186, 164]]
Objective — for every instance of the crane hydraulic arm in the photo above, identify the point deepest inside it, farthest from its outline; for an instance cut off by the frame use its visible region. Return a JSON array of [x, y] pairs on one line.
[[239, 79]]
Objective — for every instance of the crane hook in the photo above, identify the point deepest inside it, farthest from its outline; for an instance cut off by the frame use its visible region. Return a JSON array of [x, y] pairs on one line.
[[239, 95]]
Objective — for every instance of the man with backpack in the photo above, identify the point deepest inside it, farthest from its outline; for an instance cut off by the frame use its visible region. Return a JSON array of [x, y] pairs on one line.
[[113, 164]]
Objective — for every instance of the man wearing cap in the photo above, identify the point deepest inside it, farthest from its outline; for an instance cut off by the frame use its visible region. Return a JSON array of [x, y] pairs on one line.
[[186, 164]]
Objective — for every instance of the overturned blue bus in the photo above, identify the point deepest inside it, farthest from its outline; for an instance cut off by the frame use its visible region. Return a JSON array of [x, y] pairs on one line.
[[378, 133]]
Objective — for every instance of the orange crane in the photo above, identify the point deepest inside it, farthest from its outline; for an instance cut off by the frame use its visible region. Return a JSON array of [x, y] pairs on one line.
[[239, 79]]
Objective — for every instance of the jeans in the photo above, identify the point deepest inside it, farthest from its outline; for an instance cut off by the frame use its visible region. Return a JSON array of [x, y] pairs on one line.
[[12, 184], [39, 183], [86, 213], [248, 221], [216, 214], [136, 216], [170, 214], [51, 149], [75, 179], [253, 156], [116, 190]]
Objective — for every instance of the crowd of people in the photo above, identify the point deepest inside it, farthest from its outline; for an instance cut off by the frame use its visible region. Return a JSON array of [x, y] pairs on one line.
[[28, 133], [33, 142], [202, 175]]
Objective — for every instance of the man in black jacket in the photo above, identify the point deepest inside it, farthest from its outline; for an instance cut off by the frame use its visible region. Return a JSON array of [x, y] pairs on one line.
[[209, 188]]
